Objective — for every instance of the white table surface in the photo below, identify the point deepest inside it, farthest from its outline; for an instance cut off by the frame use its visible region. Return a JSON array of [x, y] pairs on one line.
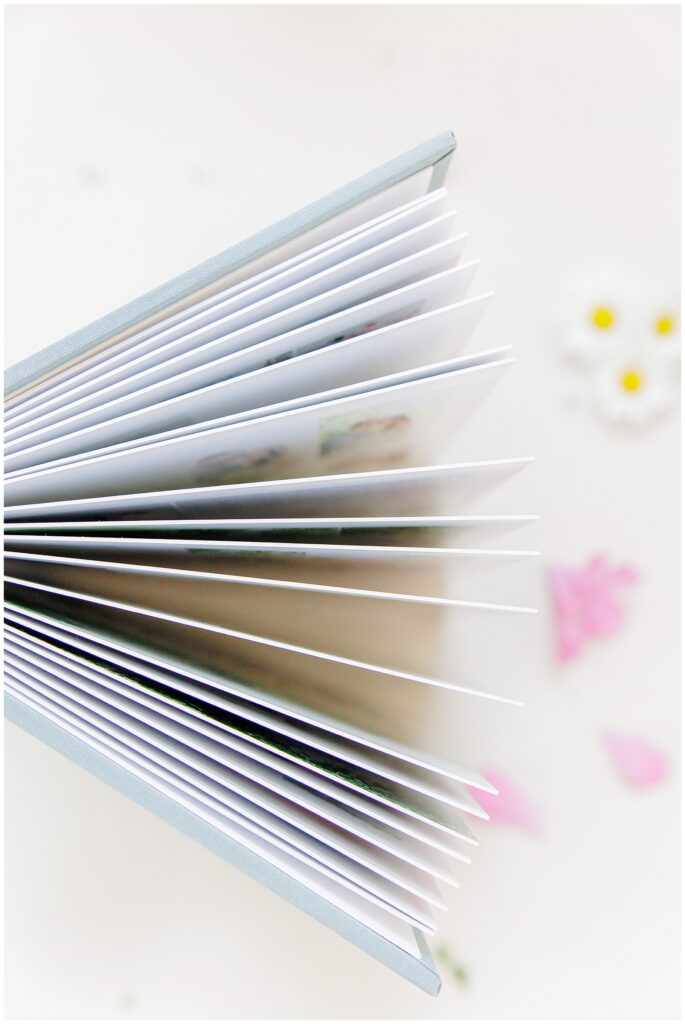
[[140, 141]]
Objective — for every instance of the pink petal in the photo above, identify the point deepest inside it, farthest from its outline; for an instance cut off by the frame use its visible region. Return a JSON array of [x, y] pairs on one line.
[[638, 762], [562, 583], [598, 567], [600, 615], [510, 806], [569, 641], [586, 603], [625, 576]]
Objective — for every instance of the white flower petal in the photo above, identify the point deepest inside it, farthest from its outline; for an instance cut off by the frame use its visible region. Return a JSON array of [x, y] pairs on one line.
[[595, 322], [633, 389]]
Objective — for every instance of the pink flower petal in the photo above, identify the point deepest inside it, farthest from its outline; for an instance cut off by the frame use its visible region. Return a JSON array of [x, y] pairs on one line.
[[638, 762], [510, 806], [569, 641], [586, 603], [625, 575]]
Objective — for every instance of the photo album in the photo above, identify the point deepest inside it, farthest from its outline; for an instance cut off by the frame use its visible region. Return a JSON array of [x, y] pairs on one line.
[[230, 542]]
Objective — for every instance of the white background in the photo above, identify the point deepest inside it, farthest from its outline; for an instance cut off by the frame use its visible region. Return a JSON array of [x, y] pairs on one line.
[[141, 141]]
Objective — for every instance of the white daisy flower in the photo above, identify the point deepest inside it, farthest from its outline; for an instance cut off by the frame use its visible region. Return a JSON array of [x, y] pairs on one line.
[[599, 319], [633, 387], [660, 325]]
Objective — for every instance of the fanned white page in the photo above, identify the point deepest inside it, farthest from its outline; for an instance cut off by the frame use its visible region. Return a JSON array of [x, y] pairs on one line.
[[233, 547]]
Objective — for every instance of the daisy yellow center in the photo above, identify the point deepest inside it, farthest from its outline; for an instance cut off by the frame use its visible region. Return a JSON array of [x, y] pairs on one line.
[[603, 317], [664, 325], [631, 380]]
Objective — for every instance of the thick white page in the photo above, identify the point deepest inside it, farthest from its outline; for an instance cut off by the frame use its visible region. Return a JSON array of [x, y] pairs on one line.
[[393, 354], [198, 350], [170, 404], [332, 863], [86, 566], [258, 787], [384, 837], [116, 367], [366, 212], [255, 638], [416, 575], [141, 546], [276, 852], [84, 444], [404, 422], [200, 314], [417, 832], [263, 707], [232, 750], [419, 574], [331, 527], [354, 859], [417, 490], [384, 765]]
